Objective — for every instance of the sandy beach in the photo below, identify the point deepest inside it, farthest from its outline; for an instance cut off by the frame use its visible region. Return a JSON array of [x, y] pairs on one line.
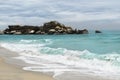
[[12, 72]]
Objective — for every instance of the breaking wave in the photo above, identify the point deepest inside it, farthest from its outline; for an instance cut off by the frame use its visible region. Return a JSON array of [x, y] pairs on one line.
[[60, 60]]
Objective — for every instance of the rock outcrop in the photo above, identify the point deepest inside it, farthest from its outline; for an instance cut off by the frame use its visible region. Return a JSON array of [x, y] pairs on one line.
[[52, 27], [97, 31]]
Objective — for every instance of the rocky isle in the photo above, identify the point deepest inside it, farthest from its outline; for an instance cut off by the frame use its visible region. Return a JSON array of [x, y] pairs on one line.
[[52, 27]]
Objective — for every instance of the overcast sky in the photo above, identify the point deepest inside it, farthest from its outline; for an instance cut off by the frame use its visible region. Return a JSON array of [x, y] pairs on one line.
[[91, 14]]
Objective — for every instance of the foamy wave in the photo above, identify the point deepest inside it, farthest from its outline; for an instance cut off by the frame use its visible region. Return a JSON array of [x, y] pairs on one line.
[[44, 41], [22, 47], [60, 60], [27, 46], [27, 41], [63, 63]]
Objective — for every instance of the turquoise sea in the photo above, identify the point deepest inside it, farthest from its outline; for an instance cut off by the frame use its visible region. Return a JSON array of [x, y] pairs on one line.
[[89, 53]]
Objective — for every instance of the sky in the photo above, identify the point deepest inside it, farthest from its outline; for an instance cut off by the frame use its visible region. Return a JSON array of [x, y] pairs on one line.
[[90, 14]]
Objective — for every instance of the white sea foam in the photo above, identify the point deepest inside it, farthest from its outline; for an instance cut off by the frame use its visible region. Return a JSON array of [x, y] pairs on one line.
[[27, 41], [64, 60]]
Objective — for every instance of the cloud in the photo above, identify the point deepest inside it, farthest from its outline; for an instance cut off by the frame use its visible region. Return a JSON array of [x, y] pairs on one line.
[[36, 12]]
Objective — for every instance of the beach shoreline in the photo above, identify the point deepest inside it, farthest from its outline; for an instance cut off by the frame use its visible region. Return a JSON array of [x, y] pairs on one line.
[[10, 71], [10, 68]]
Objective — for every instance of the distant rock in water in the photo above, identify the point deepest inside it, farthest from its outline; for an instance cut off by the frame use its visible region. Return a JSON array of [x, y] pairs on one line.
[[84, 31], [52, 27], [97, 31]]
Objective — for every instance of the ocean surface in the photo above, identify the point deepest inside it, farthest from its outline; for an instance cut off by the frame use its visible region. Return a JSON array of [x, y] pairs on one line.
[[97, 54]]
